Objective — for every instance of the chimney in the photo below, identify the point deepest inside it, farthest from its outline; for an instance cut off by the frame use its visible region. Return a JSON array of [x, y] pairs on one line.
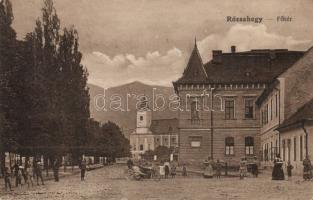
[[217, 56], [233, 49]]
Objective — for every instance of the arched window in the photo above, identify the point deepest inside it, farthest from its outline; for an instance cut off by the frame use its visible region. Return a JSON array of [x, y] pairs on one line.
[[229, 146], [249, 144]]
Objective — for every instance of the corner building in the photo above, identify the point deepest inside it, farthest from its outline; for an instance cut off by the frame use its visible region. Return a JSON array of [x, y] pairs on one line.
[[230, 83]]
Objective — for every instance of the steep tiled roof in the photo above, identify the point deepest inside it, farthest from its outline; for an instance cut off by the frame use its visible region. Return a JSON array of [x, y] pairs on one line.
[[303, 113], [254, 66], [195, 70], [164, 126]]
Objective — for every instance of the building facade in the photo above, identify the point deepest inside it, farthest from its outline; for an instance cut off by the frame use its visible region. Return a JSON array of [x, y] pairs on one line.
[[219, 117], [286, 112]]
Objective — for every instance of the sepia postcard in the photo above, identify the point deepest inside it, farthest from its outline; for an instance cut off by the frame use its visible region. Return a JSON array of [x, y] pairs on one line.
[[156, 99]]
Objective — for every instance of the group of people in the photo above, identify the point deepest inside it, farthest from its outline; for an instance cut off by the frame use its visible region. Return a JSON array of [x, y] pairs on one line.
[[278, 172], [209, 169], [165, 171], [23, 174]]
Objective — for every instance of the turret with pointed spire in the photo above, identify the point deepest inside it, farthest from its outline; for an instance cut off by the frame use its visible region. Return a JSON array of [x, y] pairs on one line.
[[195, 70]]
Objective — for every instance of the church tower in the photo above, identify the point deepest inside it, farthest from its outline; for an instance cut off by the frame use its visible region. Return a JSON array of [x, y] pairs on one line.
[[144, 117]]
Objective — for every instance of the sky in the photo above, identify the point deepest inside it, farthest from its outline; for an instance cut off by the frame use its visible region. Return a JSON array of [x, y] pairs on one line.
[[151, 40]]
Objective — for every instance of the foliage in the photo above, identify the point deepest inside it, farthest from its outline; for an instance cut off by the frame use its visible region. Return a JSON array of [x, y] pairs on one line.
[[162, 152], [44, 98]]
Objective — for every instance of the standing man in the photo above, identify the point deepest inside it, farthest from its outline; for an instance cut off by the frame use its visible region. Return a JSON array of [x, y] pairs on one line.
[[7, 180], [289, 170], [307, 167], [16, 169], [184, 170], [38, 172], [56, 170], [83, 167], [130, 164], [218, 169], [166, 169], [28, 174]]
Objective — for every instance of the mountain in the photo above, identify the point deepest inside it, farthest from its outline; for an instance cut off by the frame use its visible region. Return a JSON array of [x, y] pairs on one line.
[[126, 97]]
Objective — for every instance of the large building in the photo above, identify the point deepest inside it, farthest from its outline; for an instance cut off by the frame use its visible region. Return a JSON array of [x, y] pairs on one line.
[[287, 113], [219, 118], [150, 133]]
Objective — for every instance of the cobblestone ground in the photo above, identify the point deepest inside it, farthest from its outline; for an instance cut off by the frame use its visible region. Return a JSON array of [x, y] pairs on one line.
[[111, 183]]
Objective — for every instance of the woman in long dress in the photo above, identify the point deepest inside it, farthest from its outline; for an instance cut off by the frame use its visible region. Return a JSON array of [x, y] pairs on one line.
[[162, 171], [208, 171], [278, 173]]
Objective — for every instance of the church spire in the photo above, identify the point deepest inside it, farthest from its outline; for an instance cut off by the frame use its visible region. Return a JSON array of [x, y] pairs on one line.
[[195, 70]]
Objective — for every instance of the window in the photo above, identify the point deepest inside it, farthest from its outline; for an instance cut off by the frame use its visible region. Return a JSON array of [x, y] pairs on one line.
[[266, 152], [141, 118], [271, 151], [229, 146], [249, 108], [195, 141], [229, 109], [134, 147], [249, 144], [288, 148], [276, 150], [141, 147], [284, 149], [266, 114], [194, 111], [271, 109], [262, 118], [294, 149], [276, 105], [301, 148]]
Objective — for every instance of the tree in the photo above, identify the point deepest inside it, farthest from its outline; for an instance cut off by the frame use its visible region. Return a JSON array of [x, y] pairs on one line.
[[115, 144], [72, 88], [162, 152], [7, 80]]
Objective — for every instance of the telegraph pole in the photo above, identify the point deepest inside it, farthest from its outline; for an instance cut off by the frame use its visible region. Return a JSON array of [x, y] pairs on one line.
[[212, 89]]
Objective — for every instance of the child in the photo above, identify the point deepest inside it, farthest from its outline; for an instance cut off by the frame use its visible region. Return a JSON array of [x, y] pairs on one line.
[[7, 180]]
